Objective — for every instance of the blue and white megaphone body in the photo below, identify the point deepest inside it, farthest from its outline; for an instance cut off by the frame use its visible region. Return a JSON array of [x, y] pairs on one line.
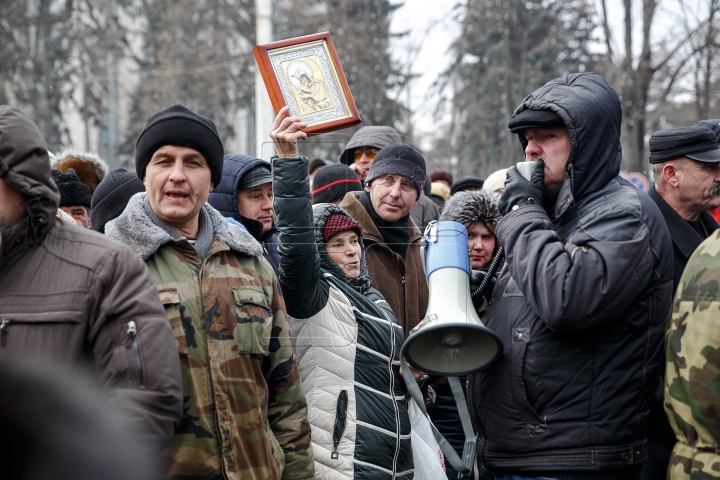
[[451, 340]]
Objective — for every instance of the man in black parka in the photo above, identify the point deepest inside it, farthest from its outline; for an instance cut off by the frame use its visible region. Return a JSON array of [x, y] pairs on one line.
[[582, 303], [686, 167]]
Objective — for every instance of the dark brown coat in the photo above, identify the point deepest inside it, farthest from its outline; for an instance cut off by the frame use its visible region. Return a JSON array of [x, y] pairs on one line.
[[401, 281], [76, 299]]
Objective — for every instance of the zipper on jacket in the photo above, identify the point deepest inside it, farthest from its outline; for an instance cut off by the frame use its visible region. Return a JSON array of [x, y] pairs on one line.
[[19, 318], [392, 391], [133, 342], [4, 332], [395, 405]]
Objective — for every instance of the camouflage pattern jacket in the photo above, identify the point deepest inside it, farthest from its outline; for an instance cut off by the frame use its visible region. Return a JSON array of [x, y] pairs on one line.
[[244, 412], [692, 378]]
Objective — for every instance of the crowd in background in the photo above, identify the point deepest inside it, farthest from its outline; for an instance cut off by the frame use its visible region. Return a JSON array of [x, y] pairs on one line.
[[244, 319]]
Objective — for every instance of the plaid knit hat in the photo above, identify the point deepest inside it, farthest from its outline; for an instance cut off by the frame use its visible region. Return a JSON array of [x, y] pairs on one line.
[[339, 223]]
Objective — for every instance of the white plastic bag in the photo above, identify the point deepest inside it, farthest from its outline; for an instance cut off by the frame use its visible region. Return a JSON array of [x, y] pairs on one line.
[[427, 455]]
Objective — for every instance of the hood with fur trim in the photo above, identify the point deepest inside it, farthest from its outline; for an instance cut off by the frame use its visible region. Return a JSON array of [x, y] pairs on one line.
[[90, 168], [471, 206], [135, 229]]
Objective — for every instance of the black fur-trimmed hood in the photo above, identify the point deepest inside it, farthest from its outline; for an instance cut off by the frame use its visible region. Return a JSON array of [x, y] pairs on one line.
[[471, 206]]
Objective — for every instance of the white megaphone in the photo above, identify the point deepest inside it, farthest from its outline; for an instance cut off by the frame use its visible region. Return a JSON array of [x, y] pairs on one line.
[[451, 340]]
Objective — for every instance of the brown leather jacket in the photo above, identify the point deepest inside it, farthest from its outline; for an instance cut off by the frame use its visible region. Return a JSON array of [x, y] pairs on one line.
[[73, 298], [402, 282]]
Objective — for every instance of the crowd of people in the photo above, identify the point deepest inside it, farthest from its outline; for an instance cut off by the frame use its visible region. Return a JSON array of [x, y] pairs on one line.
[[245, 319]]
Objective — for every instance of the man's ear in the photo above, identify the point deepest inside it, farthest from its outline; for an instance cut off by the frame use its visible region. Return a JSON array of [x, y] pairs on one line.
[[669, 173], [212, 186]]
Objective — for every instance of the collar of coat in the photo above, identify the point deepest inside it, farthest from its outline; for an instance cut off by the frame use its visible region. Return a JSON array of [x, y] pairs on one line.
[[354, 208], [134, 228], [684, 236]]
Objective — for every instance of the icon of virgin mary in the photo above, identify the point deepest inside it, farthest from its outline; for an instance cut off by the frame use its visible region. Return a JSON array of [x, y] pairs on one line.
[[312, 91]]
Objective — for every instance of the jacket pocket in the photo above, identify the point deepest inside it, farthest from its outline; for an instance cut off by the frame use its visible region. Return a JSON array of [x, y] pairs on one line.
[[61, 319], [521, 340], [340, 422], [180, 325], [254, 320]]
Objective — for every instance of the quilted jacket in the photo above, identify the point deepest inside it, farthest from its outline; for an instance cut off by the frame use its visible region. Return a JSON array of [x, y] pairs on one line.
[[347, 341]]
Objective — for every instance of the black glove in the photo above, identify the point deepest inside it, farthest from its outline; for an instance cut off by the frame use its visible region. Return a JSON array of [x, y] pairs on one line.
[[519, 191]]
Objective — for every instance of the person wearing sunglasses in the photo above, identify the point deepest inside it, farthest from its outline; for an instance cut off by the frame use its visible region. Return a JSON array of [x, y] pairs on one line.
[[362, 148]]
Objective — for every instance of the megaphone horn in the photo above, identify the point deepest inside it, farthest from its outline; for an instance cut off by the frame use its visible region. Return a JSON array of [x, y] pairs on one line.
[[451, 340]]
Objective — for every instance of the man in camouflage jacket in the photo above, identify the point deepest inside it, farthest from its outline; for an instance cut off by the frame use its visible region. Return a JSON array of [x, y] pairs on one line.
[[692, 396], [244, 412]]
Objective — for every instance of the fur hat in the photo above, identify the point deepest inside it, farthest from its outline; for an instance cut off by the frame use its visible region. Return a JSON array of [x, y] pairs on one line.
[[90, 169], [72, 191], [470, 207], [439, 174]]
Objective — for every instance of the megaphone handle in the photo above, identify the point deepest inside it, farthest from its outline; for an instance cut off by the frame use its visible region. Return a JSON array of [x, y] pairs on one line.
[[450, 455]]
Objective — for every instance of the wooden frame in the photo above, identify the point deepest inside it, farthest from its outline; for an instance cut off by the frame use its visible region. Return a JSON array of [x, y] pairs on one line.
[[304, 73]]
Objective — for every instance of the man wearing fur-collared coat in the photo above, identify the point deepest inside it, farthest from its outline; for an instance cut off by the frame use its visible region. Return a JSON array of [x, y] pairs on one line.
[[244, 411]]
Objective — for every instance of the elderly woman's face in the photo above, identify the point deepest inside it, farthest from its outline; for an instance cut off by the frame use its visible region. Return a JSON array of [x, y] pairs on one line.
[[481, 243]]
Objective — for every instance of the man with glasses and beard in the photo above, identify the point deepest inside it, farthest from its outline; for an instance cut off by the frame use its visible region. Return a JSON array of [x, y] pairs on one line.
[[686, 165]]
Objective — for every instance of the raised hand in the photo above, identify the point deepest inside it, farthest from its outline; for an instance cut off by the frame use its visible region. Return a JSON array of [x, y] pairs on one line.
[[285, 132]]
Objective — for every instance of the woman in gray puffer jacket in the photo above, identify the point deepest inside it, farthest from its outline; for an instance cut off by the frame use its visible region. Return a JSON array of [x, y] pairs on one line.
[[346, 337]]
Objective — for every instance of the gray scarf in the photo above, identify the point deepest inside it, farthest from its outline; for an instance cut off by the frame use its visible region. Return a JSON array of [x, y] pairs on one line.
[[205, 233]]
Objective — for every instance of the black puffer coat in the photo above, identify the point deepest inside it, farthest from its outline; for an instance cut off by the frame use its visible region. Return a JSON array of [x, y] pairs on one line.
[[580, 306]]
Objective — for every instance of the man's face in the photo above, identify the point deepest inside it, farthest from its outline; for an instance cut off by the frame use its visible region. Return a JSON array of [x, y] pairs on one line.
[[256, 203], [80, 214], [392, 196], [12, 204], [178, 182], [553, 146], [363, 157], [699, 184]]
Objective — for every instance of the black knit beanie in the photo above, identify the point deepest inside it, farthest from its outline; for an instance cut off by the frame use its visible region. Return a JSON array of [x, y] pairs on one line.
[[399, 159], [72, 191], [112, 196], [181, 127], [334, 181]]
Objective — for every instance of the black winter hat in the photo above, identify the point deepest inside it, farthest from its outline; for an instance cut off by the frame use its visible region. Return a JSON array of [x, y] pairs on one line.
[[399, 159], [179, 126], [713, 124], [72, 191], [697, 143], [529, 118], [466, 183], [260, 174], [112, 196], [334, 181]]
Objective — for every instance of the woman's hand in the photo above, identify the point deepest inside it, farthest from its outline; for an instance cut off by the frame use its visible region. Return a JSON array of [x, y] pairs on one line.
[[285, 132]]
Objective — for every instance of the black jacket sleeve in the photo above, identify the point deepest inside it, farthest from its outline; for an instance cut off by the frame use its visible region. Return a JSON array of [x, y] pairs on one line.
[[583, 281], [305, 292]]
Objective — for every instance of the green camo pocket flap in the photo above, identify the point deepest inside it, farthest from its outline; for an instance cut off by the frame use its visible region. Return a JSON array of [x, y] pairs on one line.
[[254, 320]]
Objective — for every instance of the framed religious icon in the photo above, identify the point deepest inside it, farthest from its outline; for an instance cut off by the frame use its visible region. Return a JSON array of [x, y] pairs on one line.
[[304, 73]]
